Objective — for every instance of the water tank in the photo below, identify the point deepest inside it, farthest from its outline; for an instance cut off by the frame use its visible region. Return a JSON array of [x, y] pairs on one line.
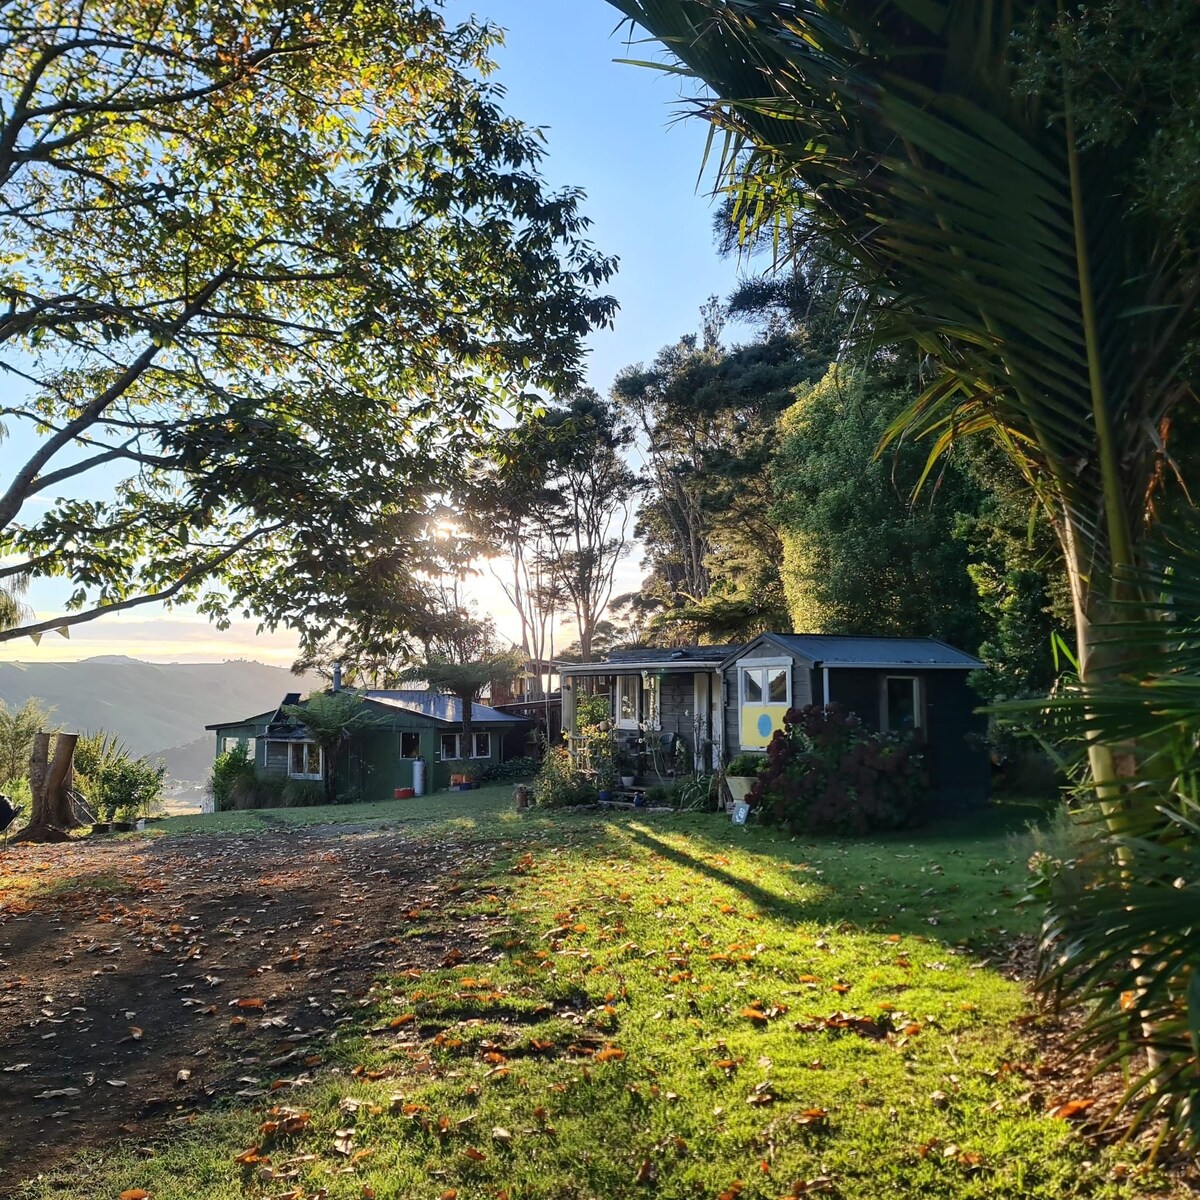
[[419, 776]]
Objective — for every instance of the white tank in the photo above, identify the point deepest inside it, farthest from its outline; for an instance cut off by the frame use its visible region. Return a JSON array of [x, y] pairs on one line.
[[419, 776]]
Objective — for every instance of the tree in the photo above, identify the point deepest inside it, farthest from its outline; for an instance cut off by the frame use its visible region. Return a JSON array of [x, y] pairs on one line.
[[18, 728], [557, 502], [706, 420], [264, 266], [331, 719], [1057, 315], [52, 813], [860, 556], [1003, 235], [461, 660]]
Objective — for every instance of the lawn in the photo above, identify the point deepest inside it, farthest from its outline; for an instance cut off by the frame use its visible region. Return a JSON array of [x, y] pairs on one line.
[[667, 1006]]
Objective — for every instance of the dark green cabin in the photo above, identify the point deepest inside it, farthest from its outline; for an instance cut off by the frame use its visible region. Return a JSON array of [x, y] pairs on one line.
[[377, 761]]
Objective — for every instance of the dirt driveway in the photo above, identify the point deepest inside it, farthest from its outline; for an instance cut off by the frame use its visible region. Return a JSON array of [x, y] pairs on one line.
[[141, 980]]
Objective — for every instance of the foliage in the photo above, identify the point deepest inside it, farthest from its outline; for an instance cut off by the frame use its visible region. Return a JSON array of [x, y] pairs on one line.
[[511, 771], [331, 720], [231, 768], [594, 745], [17, 730], [860, 555], [266, 263], [469, 769], [256, 789], [706, 423], [826, 773], [560, 784], [746, 764], [556, 504], [113, 780], [1121, 932]]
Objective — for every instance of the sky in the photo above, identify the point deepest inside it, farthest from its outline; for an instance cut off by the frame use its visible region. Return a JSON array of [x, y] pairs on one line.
[[612, 131]]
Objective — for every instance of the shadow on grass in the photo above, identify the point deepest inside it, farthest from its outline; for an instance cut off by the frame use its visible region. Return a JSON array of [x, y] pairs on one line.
[[938, 882]]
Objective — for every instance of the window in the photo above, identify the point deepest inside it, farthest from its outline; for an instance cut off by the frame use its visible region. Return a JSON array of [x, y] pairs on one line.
[[628, 687], [453, 746], [232, 743], [410, 745], [766, 685], [901, 704], [304, 760]]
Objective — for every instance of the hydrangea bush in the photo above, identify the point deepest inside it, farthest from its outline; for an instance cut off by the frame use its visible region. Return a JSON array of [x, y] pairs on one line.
[[827, 773]]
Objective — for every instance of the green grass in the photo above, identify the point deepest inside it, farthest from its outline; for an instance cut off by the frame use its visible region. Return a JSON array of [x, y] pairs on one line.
[[449, 810], [660, 1018]]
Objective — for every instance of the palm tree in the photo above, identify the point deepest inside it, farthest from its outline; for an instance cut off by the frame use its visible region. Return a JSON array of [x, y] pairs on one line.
[[1052, 312]]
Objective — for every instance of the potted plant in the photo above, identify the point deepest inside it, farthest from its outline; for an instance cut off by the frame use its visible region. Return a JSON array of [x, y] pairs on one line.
[[742, 774], [471, 776], [627, 766]]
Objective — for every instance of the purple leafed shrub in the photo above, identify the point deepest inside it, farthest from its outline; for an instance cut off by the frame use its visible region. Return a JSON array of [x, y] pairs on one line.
[[826, 773]]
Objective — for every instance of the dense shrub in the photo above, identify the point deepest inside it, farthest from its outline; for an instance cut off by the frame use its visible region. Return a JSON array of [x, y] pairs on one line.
[[559, 783], [826, 773], [231, 768], [248, 790], [512, 771], [113, 781]]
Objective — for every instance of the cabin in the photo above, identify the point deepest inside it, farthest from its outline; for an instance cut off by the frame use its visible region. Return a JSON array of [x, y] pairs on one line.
[[377, 760], [697, 707]]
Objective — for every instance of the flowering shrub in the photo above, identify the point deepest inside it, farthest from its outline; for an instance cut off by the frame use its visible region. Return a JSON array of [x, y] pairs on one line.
[[826, 773]]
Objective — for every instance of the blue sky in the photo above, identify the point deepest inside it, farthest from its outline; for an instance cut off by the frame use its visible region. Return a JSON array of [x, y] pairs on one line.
[[612, 131]]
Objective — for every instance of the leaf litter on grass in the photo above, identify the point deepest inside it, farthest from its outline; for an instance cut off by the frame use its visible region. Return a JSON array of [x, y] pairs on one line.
[[602, 1039]]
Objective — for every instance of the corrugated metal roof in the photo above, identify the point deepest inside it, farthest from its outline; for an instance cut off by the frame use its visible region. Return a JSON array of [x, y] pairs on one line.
[[833, 650], [440, 708], [671, 654]]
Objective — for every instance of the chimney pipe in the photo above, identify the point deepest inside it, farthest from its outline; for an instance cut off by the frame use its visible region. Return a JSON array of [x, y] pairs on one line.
[[337, 676]]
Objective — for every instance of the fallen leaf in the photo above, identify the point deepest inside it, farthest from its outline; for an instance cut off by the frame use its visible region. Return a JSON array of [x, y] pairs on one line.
[[135, 1194], [474, 1155], [645, 1173], [56, 1093], [608, 1054], [1072, 1108]]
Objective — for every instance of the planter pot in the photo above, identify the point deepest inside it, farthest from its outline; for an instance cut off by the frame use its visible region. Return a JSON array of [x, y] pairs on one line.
[[403, 794], [101, 827], [639, 801], [740, 785], [522, 797], [124, 826], [627, 781], [605, 794], [455, 780], [464, 787]]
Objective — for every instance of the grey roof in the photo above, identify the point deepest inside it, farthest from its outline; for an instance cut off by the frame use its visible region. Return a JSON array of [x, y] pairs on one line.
[[437, 707], [684, 657], [835, 650]]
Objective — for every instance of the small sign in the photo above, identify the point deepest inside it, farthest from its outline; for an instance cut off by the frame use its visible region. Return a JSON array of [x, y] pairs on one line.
[[741, 810]]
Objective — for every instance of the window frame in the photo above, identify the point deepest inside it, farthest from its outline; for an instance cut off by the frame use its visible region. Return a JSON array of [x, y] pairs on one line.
[[628, 686], [306, 747], [917, 683], [476, 734]]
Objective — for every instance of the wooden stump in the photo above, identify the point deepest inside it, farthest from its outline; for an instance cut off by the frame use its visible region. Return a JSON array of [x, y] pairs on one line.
[[52, 817]]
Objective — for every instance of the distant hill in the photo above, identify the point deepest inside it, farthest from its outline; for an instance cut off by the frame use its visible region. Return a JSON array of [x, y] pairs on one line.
[[155, 707]]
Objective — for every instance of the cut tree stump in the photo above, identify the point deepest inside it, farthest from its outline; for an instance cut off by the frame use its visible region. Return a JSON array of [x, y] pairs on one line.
[[52, 816]]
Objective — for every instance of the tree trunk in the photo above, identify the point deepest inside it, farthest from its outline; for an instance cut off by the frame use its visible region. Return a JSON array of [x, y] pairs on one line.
[[52, 817], [468, 731]]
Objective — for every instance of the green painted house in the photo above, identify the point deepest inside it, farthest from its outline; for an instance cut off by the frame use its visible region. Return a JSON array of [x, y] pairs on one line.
[[376, 761]]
